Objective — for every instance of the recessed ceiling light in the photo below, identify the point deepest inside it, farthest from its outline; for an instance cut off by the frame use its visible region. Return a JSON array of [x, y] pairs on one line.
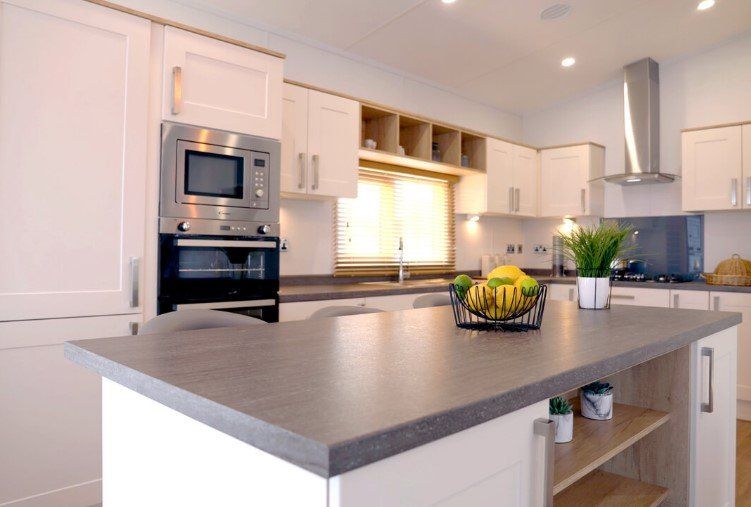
[[555, 11], [448, 1], [705, 4], [568, 61]]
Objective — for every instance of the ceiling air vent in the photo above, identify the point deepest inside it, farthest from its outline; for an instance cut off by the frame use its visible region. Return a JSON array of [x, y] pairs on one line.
[[555, 11]]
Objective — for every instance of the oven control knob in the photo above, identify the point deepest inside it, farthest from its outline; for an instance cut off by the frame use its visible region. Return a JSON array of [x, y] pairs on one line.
[[264, 229], [183, 226], [259, 192]]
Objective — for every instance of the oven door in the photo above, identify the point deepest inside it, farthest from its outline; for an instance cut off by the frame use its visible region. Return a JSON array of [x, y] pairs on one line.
[[213, 175], [200, 269]]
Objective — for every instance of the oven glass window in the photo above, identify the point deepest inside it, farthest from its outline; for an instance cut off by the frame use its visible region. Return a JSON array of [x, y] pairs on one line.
[[221, 263], [213, 174]]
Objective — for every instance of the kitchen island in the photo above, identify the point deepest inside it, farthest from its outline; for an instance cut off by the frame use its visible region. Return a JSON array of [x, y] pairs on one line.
[[403, 408]]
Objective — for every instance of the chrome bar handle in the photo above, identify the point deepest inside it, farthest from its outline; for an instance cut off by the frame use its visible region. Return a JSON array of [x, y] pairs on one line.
[[546, 428], [177, 90], [301, 175], [135, 265], [315, 172], [676, 300], [133, 326], [709, 407], [716, 303], [517, 195], [584, 200], [734, 192], [510, 199], [748, 191]]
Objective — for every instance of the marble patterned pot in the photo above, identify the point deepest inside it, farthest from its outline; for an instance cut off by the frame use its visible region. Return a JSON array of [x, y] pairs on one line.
[[593, 292], [597, 406], [564, 427]]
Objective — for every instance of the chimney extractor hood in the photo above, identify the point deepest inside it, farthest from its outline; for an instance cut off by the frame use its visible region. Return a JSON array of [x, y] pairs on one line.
[[641, 115]]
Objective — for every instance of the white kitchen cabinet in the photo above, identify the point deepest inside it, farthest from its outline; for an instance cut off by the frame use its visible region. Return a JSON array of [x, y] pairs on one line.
[[73, 120], [712, 172], [746, 138], [320, 143], [738, 302], [50, 433], [214, 84], [566, 186], [562, 292], [509, 186], [689, 299], [713, 419], [301, 310], [640, 297], [393, 303], [465, 468]]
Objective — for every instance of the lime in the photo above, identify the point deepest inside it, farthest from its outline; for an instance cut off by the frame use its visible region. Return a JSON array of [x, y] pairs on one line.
[[528, 286], [462, 283]]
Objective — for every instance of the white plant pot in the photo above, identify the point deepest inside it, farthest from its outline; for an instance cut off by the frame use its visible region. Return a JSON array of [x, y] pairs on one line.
[[597, 406], [564, 427], [593, 292]]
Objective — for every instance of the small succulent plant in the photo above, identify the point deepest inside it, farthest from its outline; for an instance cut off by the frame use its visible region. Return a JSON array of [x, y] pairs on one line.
[[598, 388], [559, 406]]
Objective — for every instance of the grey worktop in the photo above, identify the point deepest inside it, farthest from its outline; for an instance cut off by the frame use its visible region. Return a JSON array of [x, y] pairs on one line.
[[326, 291], [335, 394]]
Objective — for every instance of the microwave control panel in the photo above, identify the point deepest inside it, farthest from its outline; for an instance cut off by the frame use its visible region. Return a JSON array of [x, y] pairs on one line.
[[259, 180]]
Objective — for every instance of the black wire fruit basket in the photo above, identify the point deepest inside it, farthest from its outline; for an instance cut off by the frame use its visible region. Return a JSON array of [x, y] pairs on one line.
[[504, 308]]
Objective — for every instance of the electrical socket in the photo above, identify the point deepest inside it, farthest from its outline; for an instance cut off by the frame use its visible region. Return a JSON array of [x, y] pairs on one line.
[[519, 248], [284, 245], [540, 249], [510, 248]]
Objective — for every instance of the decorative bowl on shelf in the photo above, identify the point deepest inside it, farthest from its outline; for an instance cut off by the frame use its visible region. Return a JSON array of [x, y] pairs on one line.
[[503, 308]]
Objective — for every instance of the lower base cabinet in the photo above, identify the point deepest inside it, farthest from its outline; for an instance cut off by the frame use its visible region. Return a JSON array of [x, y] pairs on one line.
[[302, 310], [50, 412]]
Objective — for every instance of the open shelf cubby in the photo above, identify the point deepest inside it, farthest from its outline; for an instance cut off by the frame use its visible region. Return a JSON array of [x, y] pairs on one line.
[[604, 488], [449, 144], [381, 126], [415, 137], [473, 147]]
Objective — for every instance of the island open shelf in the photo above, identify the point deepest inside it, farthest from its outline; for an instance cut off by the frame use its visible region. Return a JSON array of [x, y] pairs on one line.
[[604, 488]]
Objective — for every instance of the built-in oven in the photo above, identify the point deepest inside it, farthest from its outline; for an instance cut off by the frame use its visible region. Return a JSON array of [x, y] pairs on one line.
[[218, 175], [218, 265]]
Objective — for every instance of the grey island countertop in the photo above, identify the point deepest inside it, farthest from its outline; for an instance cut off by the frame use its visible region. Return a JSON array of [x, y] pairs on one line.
[[335, 394]]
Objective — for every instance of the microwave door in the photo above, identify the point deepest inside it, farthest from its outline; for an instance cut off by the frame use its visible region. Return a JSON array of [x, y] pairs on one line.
[[213, 175]]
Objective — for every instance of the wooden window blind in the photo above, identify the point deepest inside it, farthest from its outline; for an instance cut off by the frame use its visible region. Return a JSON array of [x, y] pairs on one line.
[[389, 206]]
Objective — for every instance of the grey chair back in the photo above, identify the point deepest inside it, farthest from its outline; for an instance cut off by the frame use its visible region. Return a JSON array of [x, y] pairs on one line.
[[188, 320], [340, 311], [428, 300]]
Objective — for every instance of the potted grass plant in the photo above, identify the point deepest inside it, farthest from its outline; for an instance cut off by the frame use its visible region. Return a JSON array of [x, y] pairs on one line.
[[562, 414], [594, 250]]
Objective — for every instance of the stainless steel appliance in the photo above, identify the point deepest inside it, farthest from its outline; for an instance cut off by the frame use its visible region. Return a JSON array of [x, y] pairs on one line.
[[219, 222], [219, 175]]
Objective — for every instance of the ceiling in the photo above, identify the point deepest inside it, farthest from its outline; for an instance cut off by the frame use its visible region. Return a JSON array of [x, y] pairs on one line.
[[500, 52]]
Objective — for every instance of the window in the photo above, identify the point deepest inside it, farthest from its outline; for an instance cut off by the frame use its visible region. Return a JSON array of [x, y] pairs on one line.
[[389, 206]]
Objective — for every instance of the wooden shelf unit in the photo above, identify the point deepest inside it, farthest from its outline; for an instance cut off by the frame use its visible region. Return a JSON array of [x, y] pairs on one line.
[[381, 126], [612, 490], [596, 442], [415, 137], [474, 148], [449, 144]]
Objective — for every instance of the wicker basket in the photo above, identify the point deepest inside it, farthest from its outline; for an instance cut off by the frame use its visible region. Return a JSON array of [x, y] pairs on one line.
[[733, 271]]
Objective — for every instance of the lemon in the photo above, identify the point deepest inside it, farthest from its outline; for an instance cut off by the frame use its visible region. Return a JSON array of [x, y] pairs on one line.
[[510, 272], [481, 299], [506, 300]]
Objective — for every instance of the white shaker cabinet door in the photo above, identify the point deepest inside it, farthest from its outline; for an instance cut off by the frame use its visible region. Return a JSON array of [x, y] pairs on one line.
[[712, 169], [294, 139], [746, 134], [738, 302], [333, 144], [499, 188], [73, 113], [526, 180], [214, 84], [563, 181]]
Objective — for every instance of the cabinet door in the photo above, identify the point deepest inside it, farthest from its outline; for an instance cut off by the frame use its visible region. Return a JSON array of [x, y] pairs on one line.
[[50, 434], [712, 169], [563, 183], [73, 113], [333, 144], [640, 297], [500, 177], [713, 377], [302, 310], [689, 299], [525, 181], [746, 135], [214, 84], [499, 463], [735, 302], [294, 139], [393, 303], [562, 292]]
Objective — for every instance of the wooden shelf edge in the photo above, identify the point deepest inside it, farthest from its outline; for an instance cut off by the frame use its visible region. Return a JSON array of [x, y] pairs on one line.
[[604, 488], [595, 442], [416, 163]]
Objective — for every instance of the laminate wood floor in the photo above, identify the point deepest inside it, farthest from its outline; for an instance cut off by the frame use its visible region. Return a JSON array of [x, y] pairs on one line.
[[743, 465]]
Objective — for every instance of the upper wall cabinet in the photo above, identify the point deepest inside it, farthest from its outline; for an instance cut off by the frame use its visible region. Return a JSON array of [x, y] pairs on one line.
[[509, 185], [214, 84], [74, 81], [319, 143], [717, 169], [566, 181]]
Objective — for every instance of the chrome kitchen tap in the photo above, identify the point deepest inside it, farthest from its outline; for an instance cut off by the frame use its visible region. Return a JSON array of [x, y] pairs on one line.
[[402, 274]]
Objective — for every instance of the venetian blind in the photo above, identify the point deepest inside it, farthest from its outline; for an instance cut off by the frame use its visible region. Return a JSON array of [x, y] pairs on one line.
[[389, 206]]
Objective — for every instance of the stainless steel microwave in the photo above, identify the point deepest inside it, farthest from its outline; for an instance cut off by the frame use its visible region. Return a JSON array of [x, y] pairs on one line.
[[218, 175]]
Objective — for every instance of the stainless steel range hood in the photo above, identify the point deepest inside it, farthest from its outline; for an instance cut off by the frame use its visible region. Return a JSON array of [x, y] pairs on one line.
[[641, 108]]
